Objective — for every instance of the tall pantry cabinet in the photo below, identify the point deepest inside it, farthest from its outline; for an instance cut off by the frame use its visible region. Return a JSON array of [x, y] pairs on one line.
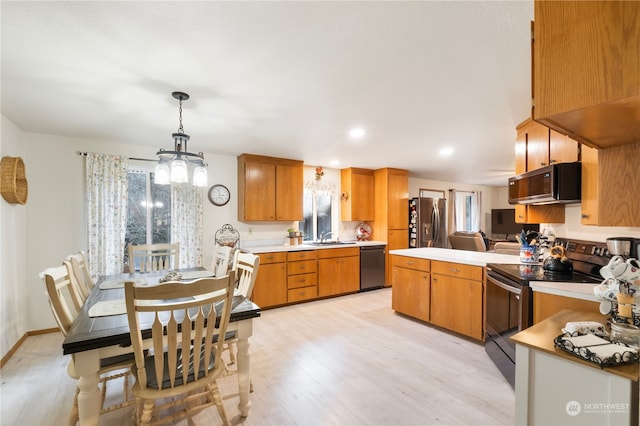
[[391, 204]]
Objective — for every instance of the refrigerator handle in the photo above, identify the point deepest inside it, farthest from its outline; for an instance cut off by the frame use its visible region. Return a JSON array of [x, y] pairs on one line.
[[435, 219]]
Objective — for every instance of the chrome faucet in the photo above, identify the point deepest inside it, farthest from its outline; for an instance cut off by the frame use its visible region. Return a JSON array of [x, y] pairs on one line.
[[325, 235]]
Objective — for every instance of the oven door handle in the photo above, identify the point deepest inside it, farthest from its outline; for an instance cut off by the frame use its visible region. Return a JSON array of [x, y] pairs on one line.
[[504, 286]]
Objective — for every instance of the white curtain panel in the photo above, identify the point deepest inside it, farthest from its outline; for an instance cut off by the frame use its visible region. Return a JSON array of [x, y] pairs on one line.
[[186, 223], [107, 185], [476, 210]]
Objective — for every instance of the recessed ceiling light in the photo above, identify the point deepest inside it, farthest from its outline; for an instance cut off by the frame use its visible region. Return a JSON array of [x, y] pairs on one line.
[[334, 162], [445, 152], [357, 133]]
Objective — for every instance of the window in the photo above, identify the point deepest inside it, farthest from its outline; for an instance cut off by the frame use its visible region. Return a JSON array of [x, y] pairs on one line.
[[320, 215], [467, 210], [148, 210]]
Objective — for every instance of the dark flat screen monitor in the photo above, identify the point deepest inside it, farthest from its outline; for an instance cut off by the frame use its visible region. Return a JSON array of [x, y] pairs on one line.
[[503, 222]]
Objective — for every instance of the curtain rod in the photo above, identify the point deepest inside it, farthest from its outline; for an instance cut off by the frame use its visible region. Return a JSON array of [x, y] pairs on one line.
[[84, 154]]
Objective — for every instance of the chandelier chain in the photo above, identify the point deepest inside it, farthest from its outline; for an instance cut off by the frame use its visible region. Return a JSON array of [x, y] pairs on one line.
[[180, 129]]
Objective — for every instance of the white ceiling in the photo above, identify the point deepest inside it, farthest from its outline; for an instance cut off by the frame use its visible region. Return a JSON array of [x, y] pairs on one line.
[[285, 79]]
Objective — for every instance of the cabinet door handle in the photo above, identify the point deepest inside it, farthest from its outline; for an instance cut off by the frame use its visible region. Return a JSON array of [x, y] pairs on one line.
[[454, 270], [543, 164], [584, 216], [552, 161]]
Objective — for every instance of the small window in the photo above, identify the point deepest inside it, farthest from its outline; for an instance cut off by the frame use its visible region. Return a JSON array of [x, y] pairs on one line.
[[320, 215], [148, 210], [467, 211]]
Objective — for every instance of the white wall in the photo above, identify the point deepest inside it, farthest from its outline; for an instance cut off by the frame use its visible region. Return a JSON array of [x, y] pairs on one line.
[[13, 252], [572, 228]]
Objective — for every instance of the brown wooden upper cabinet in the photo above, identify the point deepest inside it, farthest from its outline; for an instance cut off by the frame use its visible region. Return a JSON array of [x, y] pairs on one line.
[[586, 70], [269, 189], [538, 146], [610, 186], [357, 188]]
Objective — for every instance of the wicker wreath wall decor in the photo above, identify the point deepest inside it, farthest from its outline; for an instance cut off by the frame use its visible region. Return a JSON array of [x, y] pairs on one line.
[[13, 180]]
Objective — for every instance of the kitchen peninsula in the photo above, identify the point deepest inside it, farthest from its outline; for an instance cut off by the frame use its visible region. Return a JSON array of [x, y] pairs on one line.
[[554, 387], [443, 287]]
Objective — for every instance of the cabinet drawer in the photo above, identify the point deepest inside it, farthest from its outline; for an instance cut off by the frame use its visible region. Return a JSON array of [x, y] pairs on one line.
[[275, 257], [302, 280], [338, 252], [458, 270], [301, 255], [302, 267], [302, 293], [411, 263]]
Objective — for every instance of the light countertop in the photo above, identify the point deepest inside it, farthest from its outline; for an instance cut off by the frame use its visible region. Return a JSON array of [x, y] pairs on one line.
[[582, 291], [299, 247], [466, 257], [540, 337]]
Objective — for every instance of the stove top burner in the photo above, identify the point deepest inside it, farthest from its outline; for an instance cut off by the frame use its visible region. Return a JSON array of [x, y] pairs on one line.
[[525, 273]]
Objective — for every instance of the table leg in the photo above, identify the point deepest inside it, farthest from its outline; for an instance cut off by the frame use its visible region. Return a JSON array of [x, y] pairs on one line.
[[245, 330], [87, 365]]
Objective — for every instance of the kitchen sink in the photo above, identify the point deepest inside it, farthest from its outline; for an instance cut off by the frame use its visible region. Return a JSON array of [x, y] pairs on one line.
[[328, 243]]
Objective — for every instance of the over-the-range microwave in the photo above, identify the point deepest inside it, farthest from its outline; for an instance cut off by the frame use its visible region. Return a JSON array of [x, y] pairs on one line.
[[555, 184]]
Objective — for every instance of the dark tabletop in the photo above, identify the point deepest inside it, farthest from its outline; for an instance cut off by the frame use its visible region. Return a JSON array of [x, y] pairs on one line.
[[92, 333]]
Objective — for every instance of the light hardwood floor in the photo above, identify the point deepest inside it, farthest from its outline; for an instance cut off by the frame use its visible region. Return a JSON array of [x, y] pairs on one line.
[[344, 361]]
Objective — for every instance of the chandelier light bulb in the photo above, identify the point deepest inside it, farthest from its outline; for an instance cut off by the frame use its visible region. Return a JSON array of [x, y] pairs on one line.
[[179, 173], [200, 176], [162, 174]]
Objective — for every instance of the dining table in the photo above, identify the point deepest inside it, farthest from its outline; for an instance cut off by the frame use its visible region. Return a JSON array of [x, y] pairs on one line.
[[101, 330]]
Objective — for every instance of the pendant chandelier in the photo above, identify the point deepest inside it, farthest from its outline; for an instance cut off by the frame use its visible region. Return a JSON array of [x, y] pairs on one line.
[[173, 166]]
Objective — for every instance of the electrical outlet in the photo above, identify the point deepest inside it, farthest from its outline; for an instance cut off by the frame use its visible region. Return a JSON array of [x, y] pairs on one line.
[[250, 230]]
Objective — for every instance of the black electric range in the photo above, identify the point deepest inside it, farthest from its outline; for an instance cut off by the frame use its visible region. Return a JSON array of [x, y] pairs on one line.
[[509, 298], [587, 257]]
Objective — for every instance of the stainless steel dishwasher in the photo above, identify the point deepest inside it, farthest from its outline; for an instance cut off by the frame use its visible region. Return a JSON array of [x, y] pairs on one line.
[[372, 267]]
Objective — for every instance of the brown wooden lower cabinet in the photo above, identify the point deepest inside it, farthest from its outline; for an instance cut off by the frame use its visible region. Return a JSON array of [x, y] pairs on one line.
[[456, 304], [546, 305], [411, 287], [302, 275], [449, 295], [338, 271], [270, 288]]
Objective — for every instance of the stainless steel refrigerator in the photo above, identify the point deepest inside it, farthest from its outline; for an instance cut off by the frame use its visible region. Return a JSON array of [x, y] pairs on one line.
[[427, 222]]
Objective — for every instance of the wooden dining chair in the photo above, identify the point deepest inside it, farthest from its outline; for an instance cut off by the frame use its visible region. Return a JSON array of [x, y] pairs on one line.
[[245, 266], [221, 260], [80, 269], [181, 357], [153, 257], [65, 302]]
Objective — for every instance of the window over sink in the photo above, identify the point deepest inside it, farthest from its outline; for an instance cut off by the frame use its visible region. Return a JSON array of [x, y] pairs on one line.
[[320, 216]]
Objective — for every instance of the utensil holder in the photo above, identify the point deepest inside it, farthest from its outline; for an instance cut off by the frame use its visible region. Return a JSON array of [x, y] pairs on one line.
[[529, 254]]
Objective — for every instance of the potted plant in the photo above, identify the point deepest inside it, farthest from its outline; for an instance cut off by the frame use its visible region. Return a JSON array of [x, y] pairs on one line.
[[292, 232]]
